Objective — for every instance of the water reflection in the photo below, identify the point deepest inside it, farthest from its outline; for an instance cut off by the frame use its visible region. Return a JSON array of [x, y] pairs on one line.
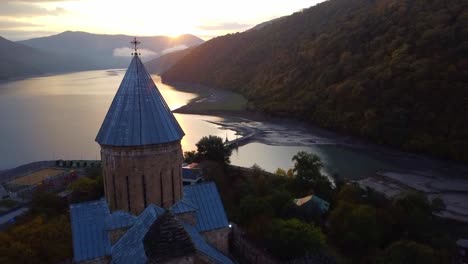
[[58, 116], [339, 160]]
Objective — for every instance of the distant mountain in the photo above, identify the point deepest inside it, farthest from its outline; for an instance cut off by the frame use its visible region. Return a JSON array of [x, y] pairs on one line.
[[109, 51], [166, 61], [18, 61], [392, 71]]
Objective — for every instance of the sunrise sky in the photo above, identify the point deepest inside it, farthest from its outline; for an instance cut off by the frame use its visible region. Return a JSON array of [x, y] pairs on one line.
[[23, 19]]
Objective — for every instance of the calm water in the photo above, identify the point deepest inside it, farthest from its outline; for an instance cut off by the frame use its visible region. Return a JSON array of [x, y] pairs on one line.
[[58, 117], [336, 159]]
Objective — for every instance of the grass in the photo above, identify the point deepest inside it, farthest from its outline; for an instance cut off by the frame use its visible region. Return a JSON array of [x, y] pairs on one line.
[[36, 177]]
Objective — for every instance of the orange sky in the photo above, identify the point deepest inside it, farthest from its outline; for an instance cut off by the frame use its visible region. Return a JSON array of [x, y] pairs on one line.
[[22, 19]]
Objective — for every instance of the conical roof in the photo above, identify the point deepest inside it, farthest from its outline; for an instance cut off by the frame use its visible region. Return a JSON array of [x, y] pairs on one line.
[[167, 239], [138, 115]]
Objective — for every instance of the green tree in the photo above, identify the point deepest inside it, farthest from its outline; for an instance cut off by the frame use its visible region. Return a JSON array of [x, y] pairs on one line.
[[213, 148], [190, 156], [251, 207], [293, 238], [86, 189], [281, 172], [403, 251], [412, 216], [48, 204], [37, 241], [307, 171], [307, 166], [354, 229]]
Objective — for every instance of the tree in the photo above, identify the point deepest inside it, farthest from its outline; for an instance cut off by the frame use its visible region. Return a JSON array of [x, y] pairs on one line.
[[404, 251], [37, 241], [293, 238], [48, 204], [354, 229], [213, 148], [251, 207], [412, 214], [190, 156], [307, 166], [281, 172], [86, 189], [307, 172]]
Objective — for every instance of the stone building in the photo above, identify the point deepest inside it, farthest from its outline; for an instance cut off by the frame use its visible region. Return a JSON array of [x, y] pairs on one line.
[[147, 215]]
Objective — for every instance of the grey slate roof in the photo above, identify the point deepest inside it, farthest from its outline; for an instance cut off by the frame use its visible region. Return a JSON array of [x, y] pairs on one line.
[[138, 114], [91, 220]]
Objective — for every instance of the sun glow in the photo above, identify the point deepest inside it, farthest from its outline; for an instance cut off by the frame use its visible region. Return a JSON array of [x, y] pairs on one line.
[[205, 18]]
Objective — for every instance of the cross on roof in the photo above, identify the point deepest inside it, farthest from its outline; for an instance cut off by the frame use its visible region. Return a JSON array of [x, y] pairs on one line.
[[135, 43]]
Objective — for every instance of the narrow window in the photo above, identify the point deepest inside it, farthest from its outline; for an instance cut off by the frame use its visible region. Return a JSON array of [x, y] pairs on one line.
[[161, 186], [114, 191], [143, 181], [128, 196], [172, 183]]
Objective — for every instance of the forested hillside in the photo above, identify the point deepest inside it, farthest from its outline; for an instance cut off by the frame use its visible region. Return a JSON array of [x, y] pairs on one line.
[[394, 71]]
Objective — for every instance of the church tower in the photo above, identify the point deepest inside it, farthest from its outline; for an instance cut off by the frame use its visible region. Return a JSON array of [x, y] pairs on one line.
[[140, 145]]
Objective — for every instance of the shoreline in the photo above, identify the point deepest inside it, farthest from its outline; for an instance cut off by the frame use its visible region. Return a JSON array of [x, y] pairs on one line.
[[299, 133], [431, 176]]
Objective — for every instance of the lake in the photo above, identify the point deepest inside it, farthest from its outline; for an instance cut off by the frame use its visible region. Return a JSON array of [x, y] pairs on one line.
[[58, 117]]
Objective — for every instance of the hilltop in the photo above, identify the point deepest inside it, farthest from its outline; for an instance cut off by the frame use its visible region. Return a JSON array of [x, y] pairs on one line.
[[20, 61], [109, 51], [391, 71]]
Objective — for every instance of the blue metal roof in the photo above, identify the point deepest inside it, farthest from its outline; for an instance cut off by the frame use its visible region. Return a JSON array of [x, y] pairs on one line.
[[129, 248], [210, 210], [183, 207], [138, 115], [90, 238], [91, 220], [119, 219], [323, 205], [202, 246], [191, 174]]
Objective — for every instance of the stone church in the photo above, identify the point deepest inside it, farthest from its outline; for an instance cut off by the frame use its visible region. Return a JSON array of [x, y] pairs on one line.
[[147, 215]]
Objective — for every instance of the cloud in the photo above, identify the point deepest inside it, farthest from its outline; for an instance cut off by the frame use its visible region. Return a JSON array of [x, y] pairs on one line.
[[226, 26], [175, 48], [12, 24], [23, 9], [126, 52]]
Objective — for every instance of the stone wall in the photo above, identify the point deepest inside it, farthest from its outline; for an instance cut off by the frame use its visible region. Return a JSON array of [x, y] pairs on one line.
[[135, 177], [116, 234], [219, 238], [189, 218]]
